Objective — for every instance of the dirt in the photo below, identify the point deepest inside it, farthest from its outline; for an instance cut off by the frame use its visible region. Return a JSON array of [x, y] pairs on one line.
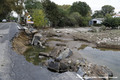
[[75, 40], [105, 39], [20, 43]]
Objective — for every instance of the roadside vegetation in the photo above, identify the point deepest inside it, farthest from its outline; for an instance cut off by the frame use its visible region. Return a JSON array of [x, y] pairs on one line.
[[55, 15], [112, 22], [47, 13]]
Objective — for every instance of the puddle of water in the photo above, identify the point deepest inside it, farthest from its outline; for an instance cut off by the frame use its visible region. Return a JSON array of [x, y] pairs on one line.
[[101, 56], [32, 55], [101, 49], [82, 47]]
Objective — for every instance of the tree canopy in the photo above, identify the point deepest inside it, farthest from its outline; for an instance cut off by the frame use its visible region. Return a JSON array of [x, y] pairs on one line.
[[5, 8], [31, 5], [52, 12], [81, 7], [112, 22], [105, 10], [98, 14], [39, 18]]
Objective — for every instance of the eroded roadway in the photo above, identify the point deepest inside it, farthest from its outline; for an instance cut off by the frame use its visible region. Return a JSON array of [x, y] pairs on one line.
[[14, 66]]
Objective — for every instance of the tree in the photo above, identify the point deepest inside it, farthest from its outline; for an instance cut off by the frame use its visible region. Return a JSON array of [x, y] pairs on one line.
[[65, 8], [18, 7], [5, 8], [52, 12], [98, 14], [39, 18], [80, 20], [81, 7], [107, 9], [31, 5], [112, 22]]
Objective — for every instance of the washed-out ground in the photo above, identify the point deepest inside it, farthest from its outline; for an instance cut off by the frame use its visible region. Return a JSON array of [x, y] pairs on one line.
[[73, 38]]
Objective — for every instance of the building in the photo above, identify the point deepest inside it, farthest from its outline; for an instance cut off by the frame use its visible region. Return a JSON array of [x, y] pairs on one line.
[[96, 21], [116, 15]]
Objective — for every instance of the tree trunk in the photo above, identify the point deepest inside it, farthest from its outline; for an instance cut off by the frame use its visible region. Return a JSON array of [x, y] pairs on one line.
[[19, 17]]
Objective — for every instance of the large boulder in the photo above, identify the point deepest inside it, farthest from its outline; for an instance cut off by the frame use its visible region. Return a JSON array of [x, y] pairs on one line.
[[57, 66], [53, 66], [38, 39], [65, 54]]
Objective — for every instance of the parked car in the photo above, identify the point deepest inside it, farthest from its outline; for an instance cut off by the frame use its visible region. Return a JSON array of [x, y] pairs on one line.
[[4, 20]]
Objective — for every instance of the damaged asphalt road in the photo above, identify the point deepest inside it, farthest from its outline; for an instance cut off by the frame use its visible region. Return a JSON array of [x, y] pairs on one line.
[[14, 66]]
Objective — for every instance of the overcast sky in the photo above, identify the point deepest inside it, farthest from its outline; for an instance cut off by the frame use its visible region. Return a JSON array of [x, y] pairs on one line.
[[94, 4]]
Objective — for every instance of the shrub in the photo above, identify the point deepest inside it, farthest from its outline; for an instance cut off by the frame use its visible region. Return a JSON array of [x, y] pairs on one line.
[[102, 28], [39, 18], [112, 22]]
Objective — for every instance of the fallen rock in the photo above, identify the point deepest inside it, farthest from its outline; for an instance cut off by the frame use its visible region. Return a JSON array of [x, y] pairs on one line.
[[55, 52], [58, 66], [44, 54], [68, 76], [65, 54], [53, 66], [102, 71], [38, 39]]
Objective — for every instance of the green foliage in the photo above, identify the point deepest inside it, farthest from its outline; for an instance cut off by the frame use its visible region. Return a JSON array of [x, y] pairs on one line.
[[80, 13], [52, 12], [108, 16], [65, 8], [80, 21], [102, 28], [112, 22], [108, 9], [59, 15], [31, 5], [39, 18], [17, 6], [98, 14], [81, 7], [5, 8]]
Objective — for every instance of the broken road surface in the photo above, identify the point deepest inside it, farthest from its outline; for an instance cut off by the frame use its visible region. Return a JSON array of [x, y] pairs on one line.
[[14, 66]]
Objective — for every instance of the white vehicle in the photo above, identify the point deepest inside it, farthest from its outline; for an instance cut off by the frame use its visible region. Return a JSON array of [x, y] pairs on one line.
[[4, 20]]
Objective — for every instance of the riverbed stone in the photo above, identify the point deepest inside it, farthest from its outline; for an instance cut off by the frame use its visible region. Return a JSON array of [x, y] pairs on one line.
[[65, 54]]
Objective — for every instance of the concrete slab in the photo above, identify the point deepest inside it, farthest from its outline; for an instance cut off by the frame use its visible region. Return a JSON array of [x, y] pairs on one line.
[[68, 76]]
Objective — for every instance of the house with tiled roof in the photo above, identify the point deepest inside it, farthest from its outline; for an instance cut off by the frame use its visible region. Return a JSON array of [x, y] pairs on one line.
[[116, 15]]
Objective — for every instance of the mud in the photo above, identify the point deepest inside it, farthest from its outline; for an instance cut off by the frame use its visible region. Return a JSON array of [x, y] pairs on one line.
[[74, 40]]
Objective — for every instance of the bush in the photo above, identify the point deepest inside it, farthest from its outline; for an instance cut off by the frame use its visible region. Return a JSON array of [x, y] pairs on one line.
[[39, 18], [112, 22], [98, 25], [102, 28], [77, 20]]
